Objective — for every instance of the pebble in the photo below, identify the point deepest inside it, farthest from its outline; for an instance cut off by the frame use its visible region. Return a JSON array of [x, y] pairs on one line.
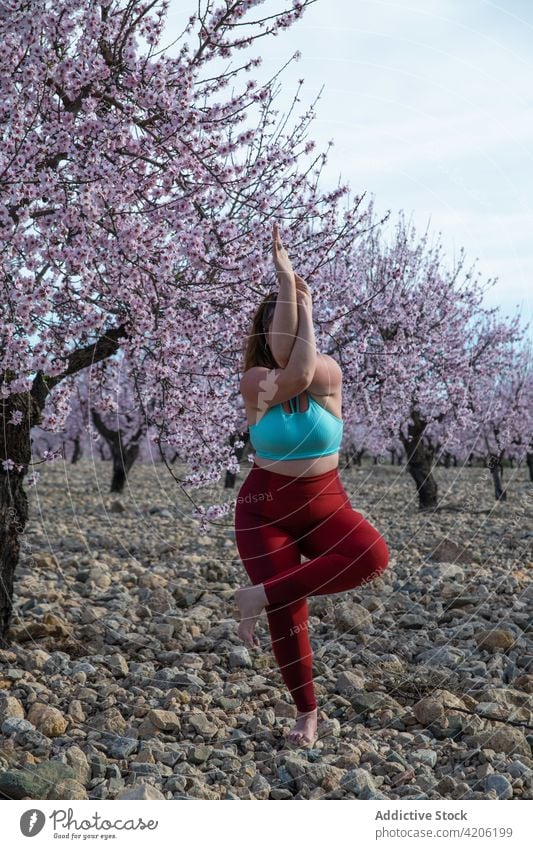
[[48, 720], [359, 782], [428, 710], [141, 791], [352, 617], [498, 638], [425, 756], [240, 657], [500, 784], [128, 656], [122, 747]]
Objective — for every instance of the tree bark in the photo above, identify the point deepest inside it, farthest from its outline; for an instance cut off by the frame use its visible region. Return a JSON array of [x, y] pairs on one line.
[[77, 453], [13, 518], [123, 456], [419, 462], [123, 460], [496, 470], [15, 445]]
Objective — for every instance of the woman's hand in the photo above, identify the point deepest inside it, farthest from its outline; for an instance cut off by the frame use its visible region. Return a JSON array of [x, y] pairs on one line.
[[303, 299], [303, 292], [300, 283], [280, 255]]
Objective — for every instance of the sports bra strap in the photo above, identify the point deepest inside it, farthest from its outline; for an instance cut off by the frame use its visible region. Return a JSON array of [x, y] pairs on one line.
[[294, 404]]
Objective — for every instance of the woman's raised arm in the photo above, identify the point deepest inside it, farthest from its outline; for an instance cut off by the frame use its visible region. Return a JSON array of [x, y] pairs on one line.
[[285, 319]]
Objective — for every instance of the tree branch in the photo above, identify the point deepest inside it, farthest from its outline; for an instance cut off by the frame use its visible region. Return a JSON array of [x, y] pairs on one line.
[[105, 347]]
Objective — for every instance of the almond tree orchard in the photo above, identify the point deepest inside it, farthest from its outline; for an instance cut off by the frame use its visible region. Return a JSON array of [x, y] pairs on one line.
[[102, 409], [138, 192], [503, 407], [416, 348]]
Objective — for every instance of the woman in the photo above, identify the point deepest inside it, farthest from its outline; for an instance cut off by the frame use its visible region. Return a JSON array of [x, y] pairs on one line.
[[292, 502]]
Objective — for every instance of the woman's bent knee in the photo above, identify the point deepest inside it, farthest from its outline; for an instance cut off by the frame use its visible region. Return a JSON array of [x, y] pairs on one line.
[[376, 559], [380, 557]]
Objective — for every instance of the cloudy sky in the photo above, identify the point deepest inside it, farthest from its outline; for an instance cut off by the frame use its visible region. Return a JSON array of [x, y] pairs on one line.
[[429, 106]]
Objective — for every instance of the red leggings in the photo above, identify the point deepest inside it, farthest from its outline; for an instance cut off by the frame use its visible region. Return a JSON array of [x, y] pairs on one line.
[[277, 519]]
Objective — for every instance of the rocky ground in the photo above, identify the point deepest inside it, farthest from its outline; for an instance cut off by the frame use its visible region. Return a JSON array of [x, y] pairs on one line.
[[126, 679]]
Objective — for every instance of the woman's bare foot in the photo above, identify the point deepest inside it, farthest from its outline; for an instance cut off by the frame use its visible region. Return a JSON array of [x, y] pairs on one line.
[[251, 602], [304, 729]]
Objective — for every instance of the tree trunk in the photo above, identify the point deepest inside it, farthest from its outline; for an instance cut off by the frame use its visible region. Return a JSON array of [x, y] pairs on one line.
[[420, 462], [447, 460], [229, 483], [349, 456], [123, 456], [123, 460], [15, 445], [13, 518], [77, 453], [529, 461], [496, 470]]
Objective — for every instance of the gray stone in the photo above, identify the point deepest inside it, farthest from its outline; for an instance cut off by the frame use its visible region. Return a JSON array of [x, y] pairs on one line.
[[447, 551], [351, 617], [165, 720], [77, 760], [117, 664], [369, 700], [142, 768], [35, 781], [240, 657], [122, 747], [202, 725], [58, 661], [67, 788], [260, 788], [141, 791], [508, 740], [360, 782], [412, 620], [82, 666], [14, 725], [424, 756], [442, 655], [200, 754], [500, 784], [428, 710], [347, 681], [168, 678], [98, 764]]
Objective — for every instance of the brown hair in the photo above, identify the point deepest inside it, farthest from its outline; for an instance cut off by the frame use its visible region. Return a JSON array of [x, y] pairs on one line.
[[256, 349]]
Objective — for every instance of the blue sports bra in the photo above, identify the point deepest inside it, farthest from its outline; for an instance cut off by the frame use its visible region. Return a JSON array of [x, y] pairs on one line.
[[279, 435]]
